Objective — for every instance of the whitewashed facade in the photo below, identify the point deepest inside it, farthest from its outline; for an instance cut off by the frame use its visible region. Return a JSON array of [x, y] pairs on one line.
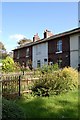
[[39, 55], [74, 50]]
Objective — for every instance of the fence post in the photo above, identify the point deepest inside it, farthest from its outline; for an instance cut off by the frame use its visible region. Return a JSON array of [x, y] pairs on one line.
[[19, 84]]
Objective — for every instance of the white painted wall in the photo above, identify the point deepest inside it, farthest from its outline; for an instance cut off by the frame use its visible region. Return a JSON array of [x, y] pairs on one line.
[[74, 59], [39, 52], [74, 50]]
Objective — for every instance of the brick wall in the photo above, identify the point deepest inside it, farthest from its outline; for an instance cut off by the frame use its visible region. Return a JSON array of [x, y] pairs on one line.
[[65, 55], [22, 55]]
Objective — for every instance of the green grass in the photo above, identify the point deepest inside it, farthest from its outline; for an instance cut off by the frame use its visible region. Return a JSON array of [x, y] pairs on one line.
[[61, 106]]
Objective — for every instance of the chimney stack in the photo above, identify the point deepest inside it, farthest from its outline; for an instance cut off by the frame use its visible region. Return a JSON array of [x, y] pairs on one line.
[[36, 37], [47, 33]]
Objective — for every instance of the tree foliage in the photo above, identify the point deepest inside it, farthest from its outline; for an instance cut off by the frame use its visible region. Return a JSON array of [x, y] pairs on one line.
[[3, 52], [2, 46], [49, 68], [8, 65], [23, 41]]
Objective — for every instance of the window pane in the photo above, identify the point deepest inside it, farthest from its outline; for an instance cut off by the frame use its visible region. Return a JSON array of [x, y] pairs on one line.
[[59, 62], [18, 54], [27, 52], [38, 63], [79, 42], [59, 46], [45, 60]]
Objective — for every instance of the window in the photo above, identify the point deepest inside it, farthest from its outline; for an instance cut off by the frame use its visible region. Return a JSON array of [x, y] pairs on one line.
[[45, 60], [38, 63], [27, 52], [59, 46], [79, 59], [59, 61], [38, 49], [79, 42], [18, 54], [27, 62]]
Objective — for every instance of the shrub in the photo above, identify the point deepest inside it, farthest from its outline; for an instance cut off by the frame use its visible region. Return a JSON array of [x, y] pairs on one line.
[[55, 83], [49, 68], [25, 69], [70, 78], [11, 111], [8, 65], [17, 67]]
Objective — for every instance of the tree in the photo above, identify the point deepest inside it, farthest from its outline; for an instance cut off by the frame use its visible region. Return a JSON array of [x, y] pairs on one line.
[[8, 65], [2, 46], [23, 41], [3, 53]]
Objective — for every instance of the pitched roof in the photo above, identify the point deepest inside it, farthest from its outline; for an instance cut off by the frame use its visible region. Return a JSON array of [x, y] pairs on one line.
[[70, 32]]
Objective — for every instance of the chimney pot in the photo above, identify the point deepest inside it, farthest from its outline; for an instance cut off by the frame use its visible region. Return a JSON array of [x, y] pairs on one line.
[[36, 37], [47, 33]]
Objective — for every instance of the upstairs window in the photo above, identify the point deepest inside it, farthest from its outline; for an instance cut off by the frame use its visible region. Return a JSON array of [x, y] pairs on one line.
[[27, 52], [59, 46], [79, 59], [79, 42], [38, 49], [18, 54]]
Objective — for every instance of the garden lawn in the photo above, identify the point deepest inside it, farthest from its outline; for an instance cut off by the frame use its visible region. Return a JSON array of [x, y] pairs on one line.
[[61, 106]]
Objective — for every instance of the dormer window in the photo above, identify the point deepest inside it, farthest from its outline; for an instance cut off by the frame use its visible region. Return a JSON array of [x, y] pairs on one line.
[[27, 52], [59, 46]]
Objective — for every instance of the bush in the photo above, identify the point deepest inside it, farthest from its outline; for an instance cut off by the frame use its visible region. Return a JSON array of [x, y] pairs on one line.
[[25, 69], [17, 67], [49, 68], [11, 111], [70, 78], [8, 65], [60, 81]]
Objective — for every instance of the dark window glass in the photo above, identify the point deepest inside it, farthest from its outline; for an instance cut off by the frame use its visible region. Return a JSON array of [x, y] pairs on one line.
[[27, 52], [38, 63], [18, 54], [45, 60], [79, 42], [59, 61], [59, 46]]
